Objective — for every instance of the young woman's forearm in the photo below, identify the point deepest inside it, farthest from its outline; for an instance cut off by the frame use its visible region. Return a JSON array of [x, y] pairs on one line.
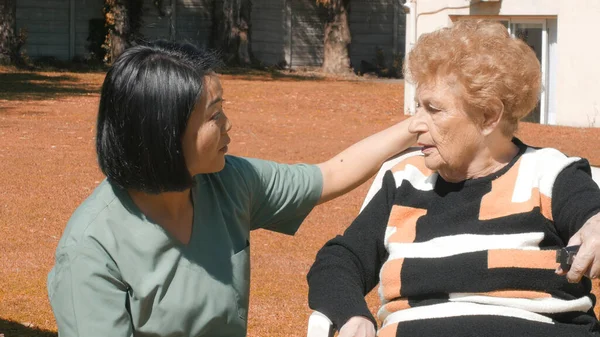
[[359, 162]]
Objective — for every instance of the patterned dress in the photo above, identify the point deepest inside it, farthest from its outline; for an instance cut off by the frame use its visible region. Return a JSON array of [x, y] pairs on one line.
[[474, 258]]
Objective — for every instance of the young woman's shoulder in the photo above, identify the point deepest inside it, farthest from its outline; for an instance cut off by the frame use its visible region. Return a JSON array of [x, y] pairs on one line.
[[100, 219]]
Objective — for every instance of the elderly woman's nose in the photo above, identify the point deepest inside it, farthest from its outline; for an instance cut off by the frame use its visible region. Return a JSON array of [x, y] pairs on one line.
[[417, 125]]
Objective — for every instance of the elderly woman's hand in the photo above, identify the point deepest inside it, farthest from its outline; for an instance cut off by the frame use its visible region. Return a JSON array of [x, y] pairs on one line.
[[587, 260], [358, 326]]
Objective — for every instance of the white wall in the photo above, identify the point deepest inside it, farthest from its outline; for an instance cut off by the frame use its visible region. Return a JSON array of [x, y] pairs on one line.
[[578, 65], [578, 76]]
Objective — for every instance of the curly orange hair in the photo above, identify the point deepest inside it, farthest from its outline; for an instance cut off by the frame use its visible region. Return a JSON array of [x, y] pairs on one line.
[[488, 64]]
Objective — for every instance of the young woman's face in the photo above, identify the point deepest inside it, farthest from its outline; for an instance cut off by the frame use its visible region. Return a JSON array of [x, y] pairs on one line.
[[205, 139]]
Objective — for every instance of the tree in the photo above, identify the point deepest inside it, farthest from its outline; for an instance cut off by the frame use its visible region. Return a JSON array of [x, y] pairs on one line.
[[231, 30], [123, 20], [336, 58], [10, 41]]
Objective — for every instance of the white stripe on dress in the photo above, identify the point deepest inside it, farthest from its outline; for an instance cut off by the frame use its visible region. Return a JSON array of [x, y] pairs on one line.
[[539, 169], [453, 309], [545, 305], [376, 185], [389, 231], [464, 243], [416, 178]]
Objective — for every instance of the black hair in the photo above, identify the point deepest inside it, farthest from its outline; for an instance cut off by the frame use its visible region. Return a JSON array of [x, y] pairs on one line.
[[147, 98]]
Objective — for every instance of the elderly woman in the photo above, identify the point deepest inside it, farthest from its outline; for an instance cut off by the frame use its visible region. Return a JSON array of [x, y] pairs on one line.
[[461, 237], [161, 247]]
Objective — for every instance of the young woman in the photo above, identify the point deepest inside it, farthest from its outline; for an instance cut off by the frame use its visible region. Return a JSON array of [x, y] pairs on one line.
[[161, 247]]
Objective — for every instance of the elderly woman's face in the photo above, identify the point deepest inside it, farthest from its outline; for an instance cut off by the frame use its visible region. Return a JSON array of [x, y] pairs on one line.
[[205, 139], [449, 138]]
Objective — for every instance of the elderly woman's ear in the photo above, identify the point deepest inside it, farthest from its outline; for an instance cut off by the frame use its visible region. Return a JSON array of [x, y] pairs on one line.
[[492, 116]]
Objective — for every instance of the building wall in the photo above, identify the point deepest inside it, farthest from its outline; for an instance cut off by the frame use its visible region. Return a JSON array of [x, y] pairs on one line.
[[50, 25], [193, 21], [434, 14], [47, 24], [307, 33], [283, 32], [291, 32], [578, 76], [84, 11], [288, 32], [376, 25], [156, 25], [270, 31], [577, 72]]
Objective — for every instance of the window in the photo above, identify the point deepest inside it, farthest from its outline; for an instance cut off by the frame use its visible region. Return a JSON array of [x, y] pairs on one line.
[[541, 36]]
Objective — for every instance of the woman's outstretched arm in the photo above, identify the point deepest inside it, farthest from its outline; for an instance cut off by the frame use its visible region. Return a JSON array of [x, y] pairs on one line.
[[353, 166]]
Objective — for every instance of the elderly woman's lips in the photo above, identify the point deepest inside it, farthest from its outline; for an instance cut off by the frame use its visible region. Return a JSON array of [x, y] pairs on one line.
[[427, 148]]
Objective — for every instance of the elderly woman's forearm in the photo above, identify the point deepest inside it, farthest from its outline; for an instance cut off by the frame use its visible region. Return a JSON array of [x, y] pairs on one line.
[[353, 166]]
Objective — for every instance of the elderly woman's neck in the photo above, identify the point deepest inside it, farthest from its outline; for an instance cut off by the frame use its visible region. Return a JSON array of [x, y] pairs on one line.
[[495, 153]]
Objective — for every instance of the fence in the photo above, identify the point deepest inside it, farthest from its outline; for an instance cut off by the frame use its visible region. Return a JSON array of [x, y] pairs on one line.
[[284, 32]]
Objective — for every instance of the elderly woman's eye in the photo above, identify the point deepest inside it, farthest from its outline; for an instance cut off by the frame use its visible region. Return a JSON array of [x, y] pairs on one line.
[[433, 108], [217, 115]]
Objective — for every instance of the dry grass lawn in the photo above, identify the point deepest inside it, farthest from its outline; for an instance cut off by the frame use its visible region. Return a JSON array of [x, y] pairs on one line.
[[47, 167]]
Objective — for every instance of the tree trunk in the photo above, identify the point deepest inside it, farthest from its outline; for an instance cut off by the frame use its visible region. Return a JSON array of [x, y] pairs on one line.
[[231, 30], [337, 37], [117, 20], [119, 35], [8, 36], [123, 19]]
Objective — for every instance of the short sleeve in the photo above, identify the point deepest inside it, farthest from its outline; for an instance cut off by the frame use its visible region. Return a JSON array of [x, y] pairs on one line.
[[281, 196], [575, 198], [86, 296]]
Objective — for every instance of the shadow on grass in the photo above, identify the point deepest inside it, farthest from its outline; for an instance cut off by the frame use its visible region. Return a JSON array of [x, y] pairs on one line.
[[267, 74], [14, 329], [31, 85]]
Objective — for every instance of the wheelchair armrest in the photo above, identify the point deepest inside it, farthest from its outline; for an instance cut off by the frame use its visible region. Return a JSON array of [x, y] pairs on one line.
[[319, 326]]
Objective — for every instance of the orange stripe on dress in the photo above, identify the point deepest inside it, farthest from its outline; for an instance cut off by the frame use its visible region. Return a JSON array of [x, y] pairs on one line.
[[517, 258], [546, 206], [516, 294], [390, 279], [396, 305], [388, 331], [416, 161], [498, 202], [404, 219]]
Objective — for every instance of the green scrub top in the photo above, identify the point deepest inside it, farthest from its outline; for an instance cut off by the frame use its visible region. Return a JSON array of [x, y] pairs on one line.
[[119, 274]]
